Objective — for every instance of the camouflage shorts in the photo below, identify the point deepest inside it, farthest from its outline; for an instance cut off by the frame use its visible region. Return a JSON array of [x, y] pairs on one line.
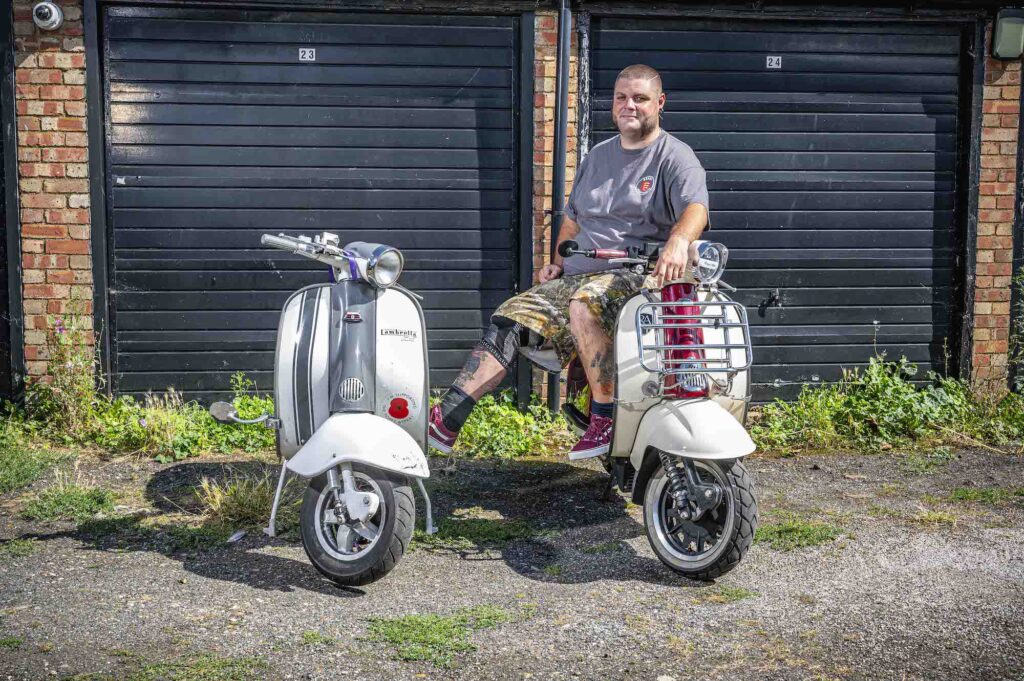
[[544, 309]]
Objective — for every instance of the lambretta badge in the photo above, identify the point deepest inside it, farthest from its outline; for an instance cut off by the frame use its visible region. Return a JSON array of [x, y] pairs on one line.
[[401, 334], [353, 317]]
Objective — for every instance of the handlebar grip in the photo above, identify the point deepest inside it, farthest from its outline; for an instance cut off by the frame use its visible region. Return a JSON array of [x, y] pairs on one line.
[[568, 248], [284, 243]]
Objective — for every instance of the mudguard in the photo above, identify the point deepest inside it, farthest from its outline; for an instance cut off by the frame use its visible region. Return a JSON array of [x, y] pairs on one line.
[[696, 429], [360, 438]]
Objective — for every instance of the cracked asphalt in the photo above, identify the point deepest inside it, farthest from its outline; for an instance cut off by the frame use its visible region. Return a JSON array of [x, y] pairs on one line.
[[917, 585]]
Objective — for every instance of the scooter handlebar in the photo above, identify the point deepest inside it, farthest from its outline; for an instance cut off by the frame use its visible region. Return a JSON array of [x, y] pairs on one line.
[[569, 248], [282, 242]]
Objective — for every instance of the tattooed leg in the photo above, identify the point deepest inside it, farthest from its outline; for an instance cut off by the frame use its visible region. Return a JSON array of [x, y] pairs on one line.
[[595, 350], [481, 374]]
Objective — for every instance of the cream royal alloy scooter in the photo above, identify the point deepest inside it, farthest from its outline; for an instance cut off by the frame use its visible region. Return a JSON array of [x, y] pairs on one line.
[[683, 358], [350, 391]]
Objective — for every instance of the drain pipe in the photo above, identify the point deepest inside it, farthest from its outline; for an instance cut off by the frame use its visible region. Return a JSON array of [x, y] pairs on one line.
[[558, 171]]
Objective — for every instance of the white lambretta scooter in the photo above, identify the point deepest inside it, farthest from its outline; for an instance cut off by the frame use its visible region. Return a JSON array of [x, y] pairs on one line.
[[683, 357], [350, 389]]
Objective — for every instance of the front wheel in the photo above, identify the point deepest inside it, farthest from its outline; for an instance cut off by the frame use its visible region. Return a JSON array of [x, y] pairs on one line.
[[356, 553], [715, 542]]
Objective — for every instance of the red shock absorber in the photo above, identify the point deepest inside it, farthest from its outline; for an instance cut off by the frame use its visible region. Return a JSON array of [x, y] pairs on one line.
[[683, 386]]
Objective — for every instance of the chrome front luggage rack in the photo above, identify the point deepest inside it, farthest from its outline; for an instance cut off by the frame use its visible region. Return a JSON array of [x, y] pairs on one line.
[[725, 351]]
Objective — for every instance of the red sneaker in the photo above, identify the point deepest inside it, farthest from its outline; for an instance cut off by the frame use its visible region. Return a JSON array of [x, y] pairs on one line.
[[596, 441], [439, 437]]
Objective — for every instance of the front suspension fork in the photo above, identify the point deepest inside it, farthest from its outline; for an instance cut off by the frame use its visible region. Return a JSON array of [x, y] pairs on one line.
[[693, 498]]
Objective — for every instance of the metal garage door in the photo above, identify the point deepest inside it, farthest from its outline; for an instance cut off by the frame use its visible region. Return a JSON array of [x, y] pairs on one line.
[[831, 152], [222, 125]]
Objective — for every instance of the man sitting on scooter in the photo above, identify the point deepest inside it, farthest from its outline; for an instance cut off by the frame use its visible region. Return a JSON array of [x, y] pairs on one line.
[[640, 186]]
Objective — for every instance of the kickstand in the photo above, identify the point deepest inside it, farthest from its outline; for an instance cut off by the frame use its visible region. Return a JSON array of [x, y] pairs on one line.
[[429, 512], [271, 529]]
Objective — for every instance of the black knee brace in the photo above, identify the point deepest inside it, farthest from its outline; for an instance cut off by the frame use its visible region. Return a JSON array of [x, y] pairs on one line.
[[502, 340]]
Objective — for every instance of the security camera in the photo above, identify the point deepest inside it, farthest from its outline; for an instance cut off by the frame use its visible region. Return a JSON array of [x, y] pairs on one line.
[[47, 16]]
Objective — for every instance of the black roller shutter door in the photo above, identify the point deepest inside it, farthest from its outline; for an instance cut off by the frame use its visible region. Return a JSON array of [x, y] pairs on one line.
[[401, 131], [830, 152]]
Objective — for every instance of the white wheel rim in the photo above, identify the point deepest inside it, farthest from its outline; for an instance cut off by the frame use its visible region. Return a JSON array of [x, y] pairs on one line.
[[331, 534]]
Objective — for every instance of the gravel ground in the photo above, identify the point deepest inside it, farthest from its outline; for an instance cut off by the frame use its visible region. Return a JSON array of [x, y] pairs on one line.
[[897, 596]]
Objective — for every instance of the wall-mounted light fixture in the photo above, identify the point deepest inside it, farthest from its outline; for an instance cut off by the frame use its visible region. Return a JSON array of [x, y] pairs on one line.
[[1008, 42]]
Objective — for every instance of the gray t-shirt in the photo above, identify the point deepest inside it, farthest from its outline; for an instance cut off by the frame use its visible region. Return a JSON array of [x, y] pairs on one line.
[[625, 197]]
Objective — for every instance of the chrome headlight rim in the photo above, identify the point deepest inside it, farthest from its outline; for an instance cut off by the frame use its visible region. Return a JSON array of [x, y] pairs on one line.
[[374, 260], [721, 256]]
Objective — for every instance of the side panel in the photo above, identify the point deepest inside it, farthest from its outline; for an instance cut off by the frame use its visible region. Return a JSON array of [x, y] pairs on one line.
[[402, 364], [631, 376], [301, 372]]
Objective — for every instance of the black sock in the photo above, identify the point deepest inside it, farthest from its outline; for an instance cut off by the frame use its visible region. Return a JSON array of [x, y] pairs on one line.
[[455, 408], [602, 408]]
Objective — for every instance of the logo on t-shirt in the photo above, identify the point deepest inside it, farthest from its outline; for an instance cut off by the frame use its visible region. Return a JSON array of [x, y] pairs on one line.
[[645, 184]]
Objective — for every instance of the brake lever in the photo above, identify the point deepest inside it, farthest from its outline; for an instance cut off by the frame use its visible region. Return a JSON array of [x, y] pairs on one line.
[[628, 261], [730, 289]]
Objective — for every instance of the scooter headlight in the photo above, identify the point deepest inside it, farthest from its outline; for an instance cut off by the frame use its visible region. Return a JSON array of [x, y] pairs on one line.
[[708, 262], [384, 266]]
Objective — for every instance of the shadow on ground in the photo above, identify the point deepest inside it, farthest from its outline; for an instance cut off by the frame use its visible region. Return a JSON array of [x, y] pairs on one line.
[[547, 520]]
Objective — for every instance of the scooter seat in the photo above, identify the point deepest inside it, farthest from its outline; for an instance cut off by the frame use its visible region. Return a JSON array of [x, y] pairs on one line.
[[545, 358]]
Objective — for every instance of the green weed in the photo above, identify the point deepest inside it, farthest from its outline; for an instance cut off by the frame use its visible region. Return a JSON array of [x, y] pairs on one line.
[[10, 642], [935, 518], [21, 466], [881, 408], [69, 501], [193, 538], [18, 548], [200, 668], [246, 501], [437, 639], [497, 428], [723, 595], [926, 462], [986, 495], [466, 534], [791, 531], [70, 408], [315, 638], [553, 570]]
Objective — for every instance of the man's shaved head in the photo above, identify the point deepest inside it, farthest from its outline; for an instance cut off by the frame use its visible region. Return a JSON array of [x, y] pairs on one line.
[[641, 72]]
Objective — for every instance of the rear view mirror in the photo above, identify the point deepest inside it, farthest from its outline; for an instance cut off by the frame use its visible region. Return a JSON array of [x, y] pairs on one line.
[[223, 412]]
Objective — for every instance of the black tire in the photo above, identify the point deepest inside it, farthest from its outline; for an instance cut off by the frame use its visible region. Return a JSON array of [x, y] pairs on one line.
[[736, 516], [398, 509]]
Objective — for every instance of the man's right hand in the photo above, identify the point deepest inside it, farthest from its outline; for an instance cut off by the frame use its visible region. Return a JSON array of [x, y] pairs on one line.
[[549, 272]]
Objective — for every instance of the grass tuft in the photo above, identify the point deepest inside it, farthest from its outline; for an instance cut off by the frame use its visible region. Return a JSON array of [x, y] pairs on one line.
[[315, 638], [10, 642], [18, 548], [467, 534], [986, 495], [66, 500], [791, 531], [437, 639], [245, 502], [21, 466], [199, 668], [723, 595], [935, 518]]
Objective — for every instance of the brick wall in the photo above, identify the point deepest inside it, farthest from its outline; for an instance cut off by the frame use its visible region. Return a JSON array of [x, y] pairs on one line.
[[52, 174], [995, 223]]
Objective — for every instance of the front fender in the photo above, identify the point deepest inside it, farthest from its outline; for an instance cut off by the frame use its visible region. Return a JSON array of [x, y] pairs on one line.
[[360, 438], [696, 429]]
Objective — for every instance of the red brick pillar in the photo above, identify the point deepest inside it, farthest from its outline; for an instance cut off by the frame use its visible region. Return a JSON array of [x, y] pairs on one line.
[[996, 198], [52, 174], [545, 77]]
